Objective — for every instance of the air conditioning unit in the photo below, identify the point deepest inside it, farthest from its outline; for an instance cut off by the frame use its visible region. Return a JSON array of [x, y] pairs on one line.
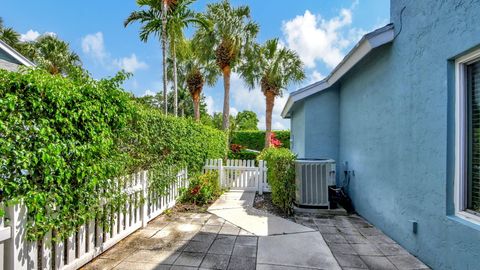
[[312, 178]]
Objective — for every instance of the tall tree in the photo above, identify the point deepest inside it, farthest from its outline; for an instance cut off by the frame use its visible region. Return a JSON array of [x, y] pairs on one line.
[[274, 68], [154, 22], [180, 16], [52, 54], [232, 34], [247, 120], [195, 72], [9, 36]]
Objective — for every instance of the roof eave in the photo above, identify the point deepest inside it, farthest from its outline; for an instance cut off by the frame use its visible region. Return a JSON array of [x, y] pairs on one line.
[[16, 55], [368, 42]]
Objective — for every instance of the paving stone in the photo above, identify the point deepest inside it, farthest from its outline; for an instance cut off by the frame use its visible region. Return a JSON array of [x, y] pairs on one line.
[[379, 239], [214, 220], [225, 239], [280, 267], [245, 251], [348, 230], [229, 230], [350, 261], [219, 248], [215, 261], [177, 245], [181, 267], [323, 222], [154, 256], [205, 237], [244, 232], [391, 249], [118, 252], [340, 221], [190, 259], [366, 249], [327, 229], [211, 228], [378, 263], [356, 239], [342, 249], [334, 238], [370, 231], [246, 240], [197, 246], [141, 266], [241, 263], [407, 262], [101, 264]]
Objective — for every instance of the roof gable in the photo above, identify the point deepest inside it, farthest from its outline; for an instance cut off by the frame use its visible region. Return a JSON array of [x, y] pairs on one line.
[[20, 59]]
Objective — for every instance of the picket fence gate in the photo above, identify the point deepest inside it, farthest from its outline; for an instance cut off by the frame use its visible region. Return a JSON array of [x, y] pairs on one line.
[[90, 240], [240, 174]]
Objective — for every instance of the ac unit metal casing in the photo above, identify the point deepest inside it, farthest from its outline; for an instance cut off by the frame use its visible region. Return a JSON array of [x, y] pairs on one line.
[[312, 178]]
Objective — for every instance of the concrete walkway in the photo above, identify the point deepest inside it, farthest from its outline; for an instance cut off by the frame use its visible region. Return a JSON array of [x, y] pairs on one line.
[[282, 244]]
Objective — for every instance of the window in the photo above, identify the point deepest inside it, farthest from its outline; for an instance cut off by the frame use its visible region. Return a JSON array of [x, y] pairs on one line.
[[467, 167]]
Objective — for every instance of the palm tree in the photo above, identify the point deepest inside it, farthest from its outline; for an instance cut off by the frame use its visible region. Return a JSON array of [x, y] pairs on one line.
[[154, 22], [52, 54], [195, 72], [232, 34], [9, 36], [180, 16], [274, 68]]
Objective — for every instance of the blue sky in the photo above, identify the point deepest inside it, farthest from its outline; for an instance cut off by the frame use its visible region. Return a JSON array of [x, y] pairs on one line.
[[321, 31]]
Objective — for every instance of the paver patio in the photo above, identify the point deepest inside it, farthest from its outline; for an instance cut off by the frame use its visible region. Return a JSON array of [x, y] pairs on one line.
[[236, 236]]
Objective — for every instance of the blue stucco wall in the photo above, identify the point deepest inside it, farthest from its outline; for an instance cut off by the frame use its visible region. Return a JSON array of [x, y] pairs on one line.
[[321, 134], [396, 124], [297, 131]]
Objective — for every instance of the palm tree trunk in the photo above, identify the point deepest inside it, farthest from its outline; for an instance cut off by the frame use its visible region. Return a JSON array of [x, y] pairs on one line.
[[164, 54], [270, 99], [196, 106], [175, 83], [226, 98]]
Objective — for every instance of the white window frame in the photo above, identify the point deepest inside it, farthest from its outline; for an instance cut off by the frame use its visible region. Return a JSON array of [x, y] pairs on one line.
[[461, 129]]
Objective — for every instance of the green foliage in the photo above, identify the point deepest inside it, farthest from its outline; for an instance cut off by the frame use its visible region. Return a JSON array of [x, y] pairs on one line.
[[243, 154], [202, 189], [255, 140], [281, 176], [63, 138], [246, 120]]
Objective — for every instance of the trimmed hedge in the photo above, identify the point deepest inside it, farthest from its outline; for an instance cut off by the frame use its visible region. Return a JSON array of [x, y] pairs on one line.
[[61, 139], [253, 139], [243, 154], [281, 176]]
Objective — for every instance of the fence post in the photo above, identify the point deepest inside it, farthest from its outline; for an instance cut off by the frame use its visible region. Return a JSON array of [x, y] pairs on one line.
[[220, 172], [16, 253], [143, 213], [260, 177]]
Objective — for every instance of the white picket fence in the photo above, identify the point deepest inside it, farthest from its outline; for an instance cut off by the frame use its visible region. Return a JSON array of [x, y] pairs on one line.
[[240, 174], [90, 240]]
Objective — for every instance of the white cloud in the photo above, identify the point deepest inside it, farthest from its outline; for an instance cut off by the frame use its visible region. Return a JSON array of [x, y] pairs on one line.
[[210, 105], [148, 93], [254, 100], [32, 35], [94, 46], [315, 76], [233, 111], [317, 39], [130, 64]]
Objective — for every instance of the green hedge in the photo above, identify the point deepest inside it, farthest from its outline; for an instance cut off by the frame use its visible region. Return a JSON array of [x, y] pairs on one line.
[[243, 154], [62, 138], [281, 176], [255, 140]]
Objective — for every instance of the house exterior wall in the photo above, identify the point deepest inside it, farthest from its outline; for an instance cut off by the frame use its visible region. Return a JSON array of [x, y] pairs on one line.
[[297, 131], [8, 62], [321, 133], [396, 130]]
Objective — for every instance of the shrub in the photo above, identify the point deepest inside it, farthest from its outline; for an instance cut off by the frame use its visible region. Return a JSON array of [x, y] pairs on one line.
[[281, 176], [255, 140], [202, 189], [243, 154], [61, 139]]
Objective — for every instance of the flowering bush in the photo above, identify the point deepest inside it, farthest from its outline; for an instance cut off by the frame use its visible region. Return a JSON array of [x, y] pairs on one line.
[[235, 148], [202, 189], [274, 142]]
